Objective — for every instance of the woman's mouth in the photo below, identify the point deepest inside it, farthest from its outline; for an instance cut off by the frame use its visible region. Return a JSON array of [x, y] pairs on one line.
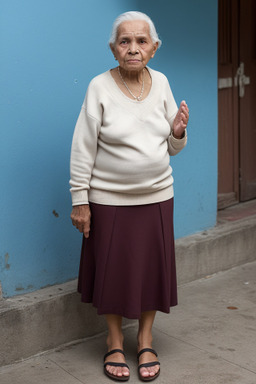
[[133, 61]]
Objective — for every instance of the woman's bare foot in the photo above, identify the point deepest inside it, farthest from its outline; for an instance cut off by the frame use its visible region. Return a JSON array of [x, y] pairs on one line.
[[118, 371], [145, 341], [115, 341], [148, 357]]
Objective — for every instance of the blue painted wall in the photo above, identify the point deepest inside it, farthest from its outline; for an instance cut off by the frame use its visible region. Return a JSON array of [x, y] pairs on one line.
[[188, 57], [49, 52]]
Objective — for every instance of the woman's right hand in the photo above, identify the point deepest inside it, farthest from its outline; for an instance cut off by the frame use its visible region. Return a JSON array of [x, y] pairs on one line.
[[181, 120], [81, 218]]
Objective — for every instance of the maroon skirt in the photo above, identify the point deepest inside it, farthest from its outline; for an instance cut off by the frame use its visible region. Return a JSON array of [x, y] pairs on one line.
[[128, 263]]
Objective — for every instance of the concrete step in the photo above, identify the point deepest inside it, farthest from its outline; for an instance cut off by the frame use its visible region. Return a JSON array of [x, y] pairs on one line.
[[42, 320], [230, 243]]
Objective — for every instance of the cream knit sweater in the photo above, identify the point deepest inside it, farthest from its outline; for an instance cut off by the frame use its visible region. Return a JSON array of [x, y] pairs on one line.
[[121, 147]]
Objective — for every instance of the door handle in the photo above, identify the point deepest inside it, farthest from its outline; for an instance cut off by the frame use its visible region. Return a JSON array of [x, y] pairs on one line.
[[241, 80]]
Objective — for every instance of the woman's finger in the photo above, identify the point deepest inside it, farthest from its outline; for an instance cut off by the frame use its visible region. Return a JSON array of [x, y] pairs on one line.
[[184, 117], [185, 110], [86, 229], [80, 228]]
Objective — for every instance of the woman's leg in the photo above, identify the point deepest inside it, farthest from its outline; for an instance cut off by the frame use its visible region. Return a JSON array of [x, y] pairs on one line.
[[115, 341], [145, 341]]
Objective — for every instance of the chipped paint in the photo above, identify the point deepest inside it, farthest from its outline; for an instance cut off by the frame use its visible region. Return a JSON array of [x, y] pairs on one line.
[[55, 213], [6, 261], [19, 288]]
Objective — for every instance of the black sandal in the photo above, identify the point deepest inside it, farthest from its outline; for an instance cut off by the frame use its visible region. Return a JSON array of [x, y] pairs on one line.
[[110, 375], [151, 364]]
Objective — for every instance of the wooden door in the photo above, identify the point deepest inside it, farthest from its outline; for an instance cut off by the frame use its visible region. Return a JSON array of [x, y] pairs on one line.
[[236, 101], [228, 117], [247, 100]]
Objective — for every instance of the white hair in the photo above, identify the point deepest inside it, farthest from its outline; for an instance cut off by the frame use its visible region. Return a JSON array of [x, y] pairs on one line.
[[134, 15]]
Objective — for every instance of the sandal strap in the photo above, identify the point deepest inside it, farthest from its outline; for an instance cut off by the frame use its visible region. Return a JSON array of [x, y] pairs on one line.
[[112, 352], [146, 350], [152, 364], [113, 364]]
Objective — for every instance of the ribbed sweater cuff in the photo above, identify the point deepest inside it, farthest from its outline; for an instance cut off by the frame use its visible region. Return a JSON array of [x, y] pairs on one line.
[[79, 197], [178, 143]]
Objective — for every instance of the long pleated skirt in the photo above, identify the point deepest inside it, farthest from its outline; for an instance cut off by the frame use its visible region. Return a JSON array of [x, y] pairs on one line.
[[128, 262]]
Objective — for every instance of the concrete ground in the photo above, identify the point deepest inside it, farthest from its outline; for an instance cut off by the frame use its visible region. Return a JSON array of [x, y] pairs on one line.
[[209, 338]]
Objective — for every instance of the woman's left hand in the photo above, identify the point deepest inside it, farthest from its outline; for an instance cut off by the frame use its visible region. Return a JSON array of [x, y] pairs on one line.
[[181, 120], [81, 218]]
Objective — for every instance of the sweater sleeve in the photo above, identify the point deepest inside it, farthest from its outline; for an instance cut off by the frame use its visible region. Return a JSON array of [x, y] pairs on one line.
[[83, 154], [174, 145]]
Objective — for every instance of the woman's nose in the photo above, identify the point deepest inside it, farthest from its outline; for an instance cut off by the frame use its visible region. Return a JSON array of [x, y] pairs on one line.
[[133, 49]]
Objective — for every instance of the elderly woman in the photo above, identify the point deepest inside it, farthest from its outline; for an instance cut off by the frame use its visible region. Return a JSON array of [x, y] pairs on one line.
[[122, 192]]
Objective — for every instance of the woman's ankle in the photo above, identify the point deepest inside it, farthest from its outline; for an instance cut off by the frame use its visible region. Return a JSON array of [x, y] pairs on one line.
[[144, 341], [115, 336], [115, 342]]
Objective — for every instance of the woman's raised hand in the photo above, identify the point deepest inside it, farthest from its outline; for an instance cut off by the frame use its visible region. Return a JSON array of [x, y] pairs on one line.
[[181, 120], [81, 218]]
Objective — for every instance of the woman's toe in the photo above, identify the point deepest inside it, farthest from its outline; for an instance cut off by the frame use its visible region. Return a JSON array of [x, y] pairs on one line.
[[108, 368], [155, 369], [151, 371], [111, 369], [118, 372], [144, 372], [125, 372]]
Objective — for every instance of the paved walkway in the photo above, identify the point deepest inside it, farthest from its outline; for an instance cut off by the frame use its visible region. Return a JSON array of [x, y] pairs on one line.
[[209, 338]]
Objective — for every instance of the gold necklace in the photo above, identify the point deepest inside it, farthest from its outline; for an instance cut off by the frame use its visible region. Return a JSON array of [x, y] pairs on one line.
[[138, 98]]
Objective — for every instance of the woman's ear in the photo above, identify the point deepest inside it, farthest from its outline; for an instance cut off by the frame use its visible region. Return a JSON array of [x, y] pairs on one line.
[[154, 49], [113, 50]]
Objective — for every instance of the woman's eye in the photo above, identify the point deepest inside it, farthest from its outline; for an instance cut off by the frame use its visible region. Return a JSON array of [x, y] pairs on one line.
[[123, 42], [143, 41]]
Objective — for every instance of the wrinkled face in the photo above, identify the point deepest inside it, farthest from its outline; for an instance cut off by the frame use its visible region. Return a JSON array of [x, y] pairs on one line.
[[133, 47]]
